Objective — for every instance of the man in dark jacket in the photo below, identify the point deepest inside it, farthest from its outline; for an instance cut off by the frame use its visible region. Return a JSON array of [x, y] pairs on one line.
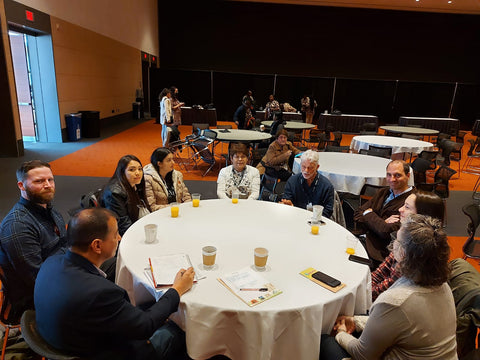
[[244, 116], [379, 216], [80, 311]]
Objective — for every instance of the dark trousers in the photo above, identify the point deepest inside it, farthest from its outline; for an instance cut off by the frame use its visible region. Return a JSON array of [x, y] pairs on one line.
[[331, 350]]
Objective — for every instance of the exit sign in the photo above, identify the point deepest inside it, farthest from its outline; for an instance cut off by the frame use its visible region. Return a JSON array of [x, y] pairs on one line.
[[29, 15]]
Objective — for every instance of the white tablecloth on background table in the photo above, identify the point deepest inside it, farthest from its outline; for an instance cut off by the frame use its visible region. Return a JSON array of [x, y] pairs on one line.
[[291, 125], [349, 172], [398, 144], [287, 326], [233, 135]]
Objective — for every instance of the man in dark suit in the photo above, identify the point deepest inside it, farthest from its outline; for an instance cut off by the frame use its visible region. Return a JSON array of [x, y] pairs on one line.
[[379, 216], [80, 311]]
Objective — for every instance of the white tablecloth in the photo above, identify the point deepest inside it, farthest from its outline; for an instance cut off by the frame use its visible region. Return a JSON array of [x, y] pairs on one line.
[[291, 125], [349, 172], [287, 326], [398, 144], [241, 135]]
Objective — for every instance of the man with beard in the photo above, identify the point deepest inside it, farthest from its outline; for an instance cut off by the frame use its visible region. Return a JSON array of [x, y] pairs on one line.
[[32, 231]]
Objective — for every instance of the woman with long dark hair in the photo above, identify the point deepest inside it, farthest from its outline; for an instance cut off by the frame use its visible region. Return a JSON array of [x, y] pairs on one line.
[[124, 194], [164, 184], [166, 115]]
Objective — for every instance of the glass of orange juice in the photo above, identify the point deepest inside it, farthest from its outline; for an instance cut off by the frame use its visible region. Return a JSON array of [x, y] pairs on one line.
[[235, 196], [174, 209], [196, 200], [315, 227], [351, 244]]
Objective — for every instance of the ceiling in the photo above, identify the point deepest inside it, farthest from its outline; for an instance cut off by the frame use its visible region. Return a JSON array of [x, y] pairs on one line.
[[455, 6]]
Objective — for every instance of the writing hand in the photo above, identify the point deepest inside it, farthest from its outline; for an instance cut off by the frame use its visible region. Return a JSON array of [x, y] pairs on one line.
[[183, 280]]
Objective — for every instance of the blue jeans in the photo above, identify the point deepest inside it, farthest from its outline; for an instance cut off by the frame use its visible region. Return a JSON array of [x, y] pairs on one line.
[[169, 342]]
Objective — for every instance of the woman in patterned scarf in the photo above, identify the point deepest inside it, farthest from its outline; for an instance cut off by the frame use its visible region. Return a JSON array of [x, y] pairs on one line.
[[238, 176]]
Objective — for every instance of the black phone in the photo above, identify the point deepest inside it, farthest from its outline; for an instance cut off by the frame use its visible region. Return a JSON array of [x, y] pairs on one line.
[[360, 260], [330, 281]]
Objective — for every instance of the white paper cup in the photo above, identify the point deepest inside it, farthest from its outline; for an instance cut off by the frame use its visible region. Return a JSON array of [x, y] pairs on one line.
[[150, 233]]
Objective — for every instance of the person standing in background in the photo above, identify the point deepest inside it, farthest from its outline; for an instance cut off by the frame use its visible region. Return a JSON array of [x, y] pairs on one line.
[[176, 106], [249, 97], [305, 102], [310, 110], [271, 107], [166, 116]]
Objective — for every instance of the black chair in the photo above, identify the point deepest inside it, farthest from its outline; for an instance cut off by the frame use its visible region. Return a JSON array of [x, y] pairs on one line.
[[257, 155], [337, 138], [430, 155], [368, 191], [464, 280], [199, 126], [471, 248], [8, 319], [451, 150], [314, 136], [473, 153], [202, 152], [279, 190], [385, 152], [420, 167], [440, 185], [368, 129], [335, 148], [267, 190], [410, 136], [37, 343]]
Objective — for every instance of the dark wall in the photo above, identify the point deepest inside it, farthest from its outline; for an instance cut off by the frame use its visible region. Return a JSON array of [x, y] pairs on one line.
[[319, 41], [386, 63]]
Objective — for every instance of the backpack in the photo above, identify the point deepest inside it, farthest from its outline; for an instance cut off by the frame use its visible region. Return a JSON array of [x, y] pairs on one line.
[[91, 200]]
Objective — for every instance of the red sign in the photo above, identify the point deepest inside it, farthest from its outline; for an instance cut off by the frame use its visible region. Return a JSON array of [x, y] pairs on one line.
[[29, 15]]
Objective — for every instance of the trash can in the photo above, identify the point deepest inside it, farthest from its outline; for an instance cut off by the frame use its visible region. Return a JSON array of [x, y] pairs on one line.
[[136, 110], [74, 126], [90, 124]]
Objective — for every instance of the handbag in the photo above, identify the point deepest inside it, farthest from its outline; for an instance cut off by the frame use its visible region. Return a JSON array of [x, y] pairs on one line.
[[142, 210]]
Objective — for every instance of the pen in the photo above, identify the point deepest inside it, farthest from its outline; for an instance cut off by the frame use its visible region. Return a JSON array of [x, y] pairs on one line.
[[252, 289]]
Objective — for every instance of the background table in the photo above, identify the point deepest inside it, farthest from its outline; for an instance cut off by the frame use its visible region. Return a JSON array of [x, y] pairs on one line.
[[191, 115], [349, 172], [241, 135], [398, 145], [291, 125], [345, 122], [287, 326], [444, 125], [286, 115], [409, 130]]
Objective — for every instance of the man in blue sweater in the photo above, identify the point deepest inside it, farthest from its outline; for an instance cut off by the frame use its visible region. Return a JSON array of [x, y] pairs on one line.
[[309, 187]]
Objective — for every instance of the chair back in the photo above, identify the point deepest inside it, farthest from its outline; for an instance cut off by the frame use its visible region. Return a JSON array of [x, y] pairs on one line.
[[7, 315], [368, 191], [334, 148], [430, 155], [337, 138], [442, 177], [201, 126], [36, 342], [385, 152], [473, 213], [420, 167], [201, 146], [267, 191]]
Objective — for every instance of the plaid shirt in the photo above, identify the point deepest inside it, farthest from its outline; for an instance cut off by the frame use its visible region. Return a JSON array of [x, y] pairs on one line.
[[384, 276], [28, 235]]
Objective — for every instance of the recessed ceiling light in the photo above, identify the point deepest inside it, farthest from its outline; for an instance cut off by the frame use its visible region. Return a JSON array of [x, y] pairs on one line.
[[450, 1], [417, 0]]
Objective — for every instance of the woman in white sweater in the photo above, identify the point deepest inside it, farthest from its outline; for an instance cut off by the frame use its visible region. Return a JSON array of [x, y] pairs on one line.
[[415, 318], [166, 115], [238, 176]]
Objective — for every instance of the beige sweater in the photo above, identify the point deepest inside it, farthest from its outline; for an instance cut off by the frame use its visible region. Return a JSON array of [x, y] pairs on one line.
[[156, 189]]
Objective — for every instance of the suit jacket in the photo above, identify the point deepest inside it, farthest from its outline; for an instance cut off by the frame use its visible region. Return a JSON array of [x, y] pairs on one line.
[[378, 231], [80, 311]]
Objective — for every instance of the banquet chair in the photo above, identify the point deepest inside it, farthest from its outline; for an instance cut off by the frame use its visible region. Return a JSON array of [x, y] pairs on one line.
[[451, 151], [257, 155], [8, 319], [430, 155], [335, 148], [464, 281], [471, 248], [368, 191], [472, 154], [202, 152], [199, 126], [368, 129], [313, 136], [267, 188], [385, 152], [420, 167], [413, 137], [279, 190], [337, 138], [37, 343]]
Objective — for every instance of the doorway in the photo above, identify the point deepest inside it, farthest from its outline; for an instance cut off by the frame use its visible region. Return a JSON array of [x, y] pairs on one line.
[[23, 84]]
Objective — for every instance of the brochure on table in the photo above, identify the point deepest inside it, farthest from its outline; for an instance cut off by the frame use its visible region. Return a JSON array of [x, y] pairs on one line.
[[248, 285]]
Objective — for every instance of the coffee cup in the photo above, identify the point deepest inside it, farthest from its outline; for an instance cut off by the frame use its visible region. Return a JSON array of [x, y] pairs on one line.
[[150, 233], [209, 254], [260, 255]]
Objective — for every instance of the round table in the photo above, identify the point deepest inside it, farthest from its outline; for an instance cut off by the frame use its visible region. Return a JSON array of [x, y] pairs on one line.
[[291, 125], [241, 135], [217, 322], [398, 144], [349, 172], [410, 130]]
